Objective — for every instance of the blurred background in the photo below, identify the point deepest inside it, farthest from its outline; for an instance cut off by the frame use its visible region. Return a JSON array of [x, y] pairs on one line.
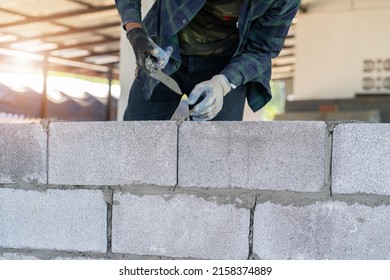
[[59, 59], [69, 60]]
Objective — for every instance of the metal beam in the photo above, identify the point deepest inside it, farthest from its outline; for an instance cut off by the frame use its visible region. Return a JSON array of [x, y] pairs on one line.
[[82, 3], [55, 60], [70, 31], [82, 45], [82, 60], [14, 13], [57, 16]]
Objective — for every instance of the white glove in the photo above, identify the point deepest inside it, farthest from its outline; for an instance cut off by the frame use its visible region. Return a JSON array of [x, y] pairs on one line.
[[213, 91]]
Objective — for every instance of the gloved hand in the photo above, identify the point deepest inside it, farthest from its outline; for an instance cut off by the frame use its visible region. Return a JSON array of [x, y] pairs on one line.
[[161, 56], [213, 91], [149, 56]]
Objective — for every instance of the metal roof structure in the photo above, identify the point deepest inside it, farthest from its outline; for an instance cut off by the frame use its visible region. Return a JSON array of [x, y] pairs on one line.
[[80, 36], [77, 36]]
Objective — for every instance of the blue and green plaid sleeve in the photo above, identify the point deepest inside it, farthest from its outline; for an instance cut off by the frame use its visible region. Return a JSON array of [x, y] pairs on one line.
[[264, 40], [129, 10]]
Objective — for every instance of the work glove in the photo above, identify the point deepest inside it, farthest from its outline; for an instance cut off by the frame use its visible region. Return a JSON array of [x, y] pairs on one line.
[[213, 92], [149, 56]]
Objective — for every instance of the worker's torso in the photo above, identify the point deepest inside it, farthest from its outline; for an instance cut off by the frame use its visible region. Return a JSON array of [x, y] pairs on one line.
[[213, 30]]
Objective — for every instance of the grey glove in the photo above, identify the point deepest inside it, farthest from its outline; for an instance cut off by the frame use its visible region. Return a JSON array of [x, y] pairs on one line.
[[213, 91], [148, 54], [161, 56]]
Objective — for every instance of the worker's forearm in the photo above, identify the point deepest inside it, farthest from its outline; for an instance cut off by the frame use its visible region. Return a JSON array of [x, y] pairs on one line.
[[129, 11], [131, 25]]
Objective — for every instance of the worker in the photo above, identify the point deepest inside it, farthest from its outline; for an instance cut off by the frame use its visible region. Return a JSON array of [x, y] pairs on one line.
[[219, 51]]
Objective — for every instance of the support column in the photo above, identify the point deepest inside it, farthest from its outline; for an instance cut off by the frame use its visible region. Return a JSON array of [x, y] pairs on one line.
[[109, 97], [45, 68]]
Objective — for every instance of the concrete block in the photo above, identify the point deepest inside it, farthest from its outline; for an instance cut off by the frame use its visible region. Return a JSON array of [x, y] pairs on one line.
[[113, 153], [360, 161], [44, 255], [23, 153], [17, 256], [181, 226], [253, 155], [324, 230], [70, 220]]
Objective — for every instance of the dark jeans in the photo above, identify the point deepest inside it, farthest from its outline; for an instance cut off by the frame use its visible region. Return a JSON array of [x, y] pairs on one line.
[[164, 101]]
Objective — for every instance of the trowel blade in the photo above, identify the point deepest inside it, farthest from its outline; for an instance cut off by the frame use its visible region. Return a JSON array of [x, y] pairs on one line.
[[182, 112]]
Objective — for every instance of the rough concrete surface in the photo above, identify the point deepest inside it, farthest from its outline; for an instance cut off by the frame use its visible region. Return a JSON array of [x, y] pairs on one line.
[[23, 153], [17, 256], [70, 220], [253, 155], [109, 193], [113, 153], [44, 255], [324, 230], [182, 226], [361, 158]]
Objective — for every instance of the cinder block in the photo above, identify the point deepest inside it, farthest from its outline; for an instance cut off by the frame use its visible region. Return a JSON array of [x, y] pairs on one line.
[[45, 256], [361, 154], [182, 226], [23, 153], [17, 256], [70, 220], [324, 230], [113, 153], [253, 155]]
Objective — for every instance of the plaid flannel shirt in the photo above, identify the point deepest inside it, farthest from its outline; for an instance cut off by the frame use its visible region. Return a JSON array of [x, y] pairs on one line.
[[263, 27]]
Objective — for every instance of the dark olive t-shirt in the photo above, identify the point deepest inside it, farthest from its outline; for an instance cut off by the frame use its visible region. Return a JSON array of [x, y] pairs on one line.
[[213, 30]]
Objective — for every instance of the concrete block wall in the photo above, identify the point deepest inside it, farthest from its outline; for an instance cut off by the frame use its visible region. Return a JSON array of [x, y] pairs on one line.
[[213, 190]]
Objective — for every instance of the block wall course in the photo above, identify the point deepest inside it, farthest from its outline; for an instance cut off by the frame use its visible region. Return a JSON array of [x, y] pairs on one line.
[[23, 153], [17, 256], [69, 220], [43, 255], [324, 230], [181, 226], [42, 217], [253, 155], [113, 153], [361, 158]]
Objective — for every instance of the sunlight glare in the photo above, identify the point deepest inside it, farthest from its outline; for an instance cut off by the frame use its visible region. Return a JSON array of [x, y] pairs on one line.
[[70, 86]]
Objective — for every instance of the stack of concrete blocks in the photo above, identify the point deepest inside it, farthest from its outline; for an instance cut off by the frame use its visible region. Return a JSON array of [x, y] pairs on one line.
[[212, 190]]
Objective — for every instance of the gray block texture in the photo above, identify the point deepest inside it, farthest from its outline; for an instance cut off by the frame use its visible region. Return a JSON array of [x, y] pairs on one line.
[[69, 220], [113, 153], [42, 256], [324, 230], [253, 155], [361, 158], [182, 226], [23, 153], [17, 256]]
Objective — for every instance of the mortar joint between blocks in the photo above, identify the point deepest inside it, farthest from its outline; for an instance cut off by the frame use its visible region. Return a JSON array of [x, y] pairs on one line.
[[329, 157]]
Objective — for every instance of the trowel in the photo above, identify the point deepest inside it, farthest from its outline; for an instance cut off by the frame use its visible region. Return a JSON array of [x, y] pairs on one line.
[[182, 112]]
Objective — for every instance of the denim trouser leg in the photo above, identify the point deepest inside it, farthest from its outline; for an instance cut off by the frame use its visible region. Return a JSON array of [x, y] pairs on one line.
[[164, 102], [160, 106]]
